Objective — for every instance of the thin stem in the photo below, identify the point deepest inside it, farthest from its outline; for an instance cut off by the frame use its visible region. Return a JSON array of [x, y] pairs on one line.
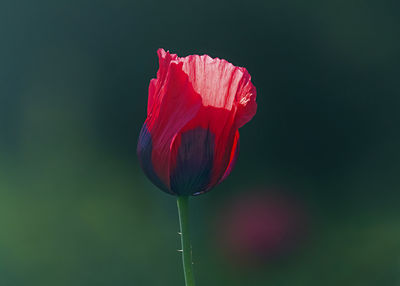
[[183, 211]]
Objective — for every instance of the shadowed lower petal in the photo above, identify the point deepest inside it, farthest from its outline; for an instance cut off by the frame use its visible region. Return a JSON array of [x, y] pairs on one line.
[[194, 162], [144, 151]]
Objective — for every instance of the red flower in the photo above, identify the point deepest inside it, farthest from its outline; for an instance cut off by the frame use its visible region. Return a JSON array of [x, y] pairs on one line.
[[189, 142]]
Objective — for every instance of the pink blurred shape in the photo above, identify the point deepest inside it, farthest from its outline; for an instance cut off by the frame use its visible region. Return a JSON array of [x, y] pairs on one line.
[[261, 226]]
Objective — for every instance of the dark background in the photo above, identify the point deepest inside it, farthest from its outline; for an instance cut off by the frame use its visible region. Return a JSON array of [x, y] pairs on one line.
[[75, 208]]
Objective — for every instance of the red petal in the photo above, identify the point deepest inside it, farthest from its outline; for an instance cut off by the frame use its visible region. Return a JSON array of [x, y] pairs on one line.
[[233, 158], [219, 122], [152, 95], [164, 61], [174, 104]]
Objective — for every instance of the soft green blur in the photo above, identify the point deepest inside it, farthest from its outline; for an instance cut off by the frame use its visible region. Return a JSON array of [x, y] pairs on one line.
[[75, 208]]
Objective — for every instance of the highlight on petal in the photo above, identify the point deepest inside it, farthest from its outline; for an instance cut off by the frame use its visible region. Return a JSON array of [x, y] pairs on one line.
[[246, 101]]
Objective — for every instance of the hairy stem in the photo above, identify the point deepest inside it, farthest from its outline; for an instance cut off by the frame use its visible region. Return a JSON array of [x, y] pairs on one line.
[[183, 212]]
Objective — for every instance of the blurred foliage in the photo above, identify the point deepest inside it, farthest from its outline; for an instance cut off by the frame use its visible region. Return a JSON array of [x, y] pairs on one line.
[[75, 208]]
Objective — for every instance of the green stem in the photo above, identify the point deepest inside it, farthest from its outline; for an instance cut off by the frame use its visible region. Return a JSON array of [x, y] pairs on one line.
[[183, 211]]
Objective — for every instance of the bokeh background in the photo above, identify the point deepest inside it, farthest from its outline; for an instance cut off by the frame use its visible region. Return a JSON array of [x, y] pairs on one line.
[[320, 160]]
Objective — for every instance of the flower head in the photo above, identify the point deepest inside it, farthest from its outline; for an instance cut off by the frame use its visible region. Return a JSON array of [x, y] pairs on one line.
[[189, 141]]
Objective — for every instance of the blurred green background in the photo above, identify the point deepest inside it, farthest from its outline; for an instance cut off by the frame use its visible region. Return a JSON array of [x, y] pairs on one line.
[[75, 208]]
